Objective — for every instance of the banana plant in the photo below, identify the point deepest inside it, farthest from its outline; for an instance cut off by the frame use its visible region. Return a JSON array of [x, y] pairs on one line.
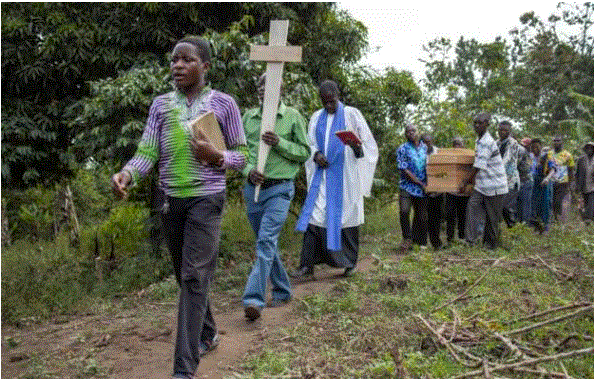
[[582, 129]]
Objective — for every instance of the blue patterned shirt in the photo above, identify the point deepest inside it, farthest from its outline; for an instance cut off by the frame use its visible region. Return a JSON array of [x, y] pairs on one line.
[[414, 159]]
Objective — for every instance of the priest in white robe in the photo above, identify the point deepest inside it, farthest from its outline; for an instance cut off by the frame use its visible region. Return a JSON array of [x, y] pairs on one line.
[[339, 174]]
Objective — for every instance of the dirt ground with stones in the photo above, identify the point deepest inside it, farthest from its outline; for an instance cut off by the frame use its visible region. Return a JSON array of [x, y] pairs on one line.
[[137, 343]]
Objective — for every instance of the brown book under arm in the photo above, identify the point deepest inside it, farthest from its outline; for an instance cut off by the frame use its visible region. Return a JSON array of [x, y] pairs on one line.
[[208, 124]]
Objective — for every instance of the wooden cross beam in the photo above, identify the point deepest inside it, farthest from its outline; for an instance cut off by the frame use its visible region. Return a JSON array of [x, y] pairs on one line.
[[275, 55]]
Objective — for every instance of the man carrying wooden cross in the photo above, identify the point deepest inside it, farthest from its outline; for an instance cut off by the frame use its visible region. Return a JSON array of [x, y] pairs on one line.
[[280, 133], [288, 150]]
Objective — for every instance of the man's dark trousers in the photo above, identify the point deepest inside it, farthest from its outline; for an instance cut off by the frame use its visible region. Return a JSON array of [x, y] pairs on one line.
[[418, 232], [482, 217], [193, 227], [434, 208]]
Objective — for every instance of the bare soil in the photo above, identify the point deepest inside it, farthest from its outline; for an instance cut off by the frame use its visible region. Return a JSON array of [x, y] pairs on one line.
[[137, 342]]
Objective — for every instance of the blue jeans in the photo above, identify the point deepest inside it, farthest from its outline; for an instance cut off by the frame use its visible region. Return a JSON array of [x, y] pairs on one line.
[[267, 218]]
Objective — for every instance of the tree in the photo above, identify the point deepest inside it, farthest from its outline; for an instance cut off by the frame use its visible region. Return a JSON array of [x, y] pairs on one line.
[[529, 80], [109, 123], [52, 51], [383, 99], [551, 63], [580, 128]]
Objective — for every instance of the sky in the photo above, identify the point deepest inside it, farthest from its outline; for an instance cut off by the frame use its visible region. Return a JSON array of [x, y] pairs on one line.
[[400, 29]]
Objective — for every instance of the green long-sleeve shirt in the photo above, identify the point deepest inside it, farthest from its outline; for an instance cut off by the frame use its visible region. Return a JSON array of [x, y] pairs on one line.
[[292, 150]]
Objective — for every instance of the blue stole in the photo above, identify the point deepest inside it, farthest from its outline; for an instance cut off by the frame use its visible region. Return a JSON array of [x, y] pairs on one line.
[[334, 182]]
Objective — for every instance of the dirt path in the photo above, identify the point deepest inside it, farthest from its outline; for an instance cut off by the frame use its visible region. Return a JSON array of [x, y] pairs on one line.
[[138, 343]]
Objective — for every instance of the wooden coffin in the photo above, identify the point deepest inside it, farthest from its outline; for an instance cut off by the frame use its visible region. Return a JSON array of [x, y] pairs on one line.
[[448, 169]]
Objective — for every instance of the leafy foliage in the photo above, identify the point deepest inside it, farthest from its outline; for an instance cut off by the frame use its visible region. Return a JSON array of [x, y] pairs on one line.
[[36, 217], [107, 125], [530, 80], [582, 127], [49, 52], [383, 99], [56, 54], [124, 231]]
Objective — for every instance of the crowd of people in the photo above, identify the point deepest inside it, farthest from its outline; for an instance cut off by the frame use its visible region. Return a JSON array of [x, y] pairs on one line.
[[511, 180], [192, 177]]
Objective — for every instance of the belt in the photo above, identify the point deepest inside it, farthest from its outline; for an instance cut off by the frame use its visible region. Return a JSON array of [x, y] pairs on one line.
[[267, 183]]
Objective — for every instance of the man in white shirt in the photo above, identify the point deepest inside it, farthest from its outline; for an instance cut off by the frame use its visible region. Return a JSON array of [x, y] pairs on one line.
[[490, 186]]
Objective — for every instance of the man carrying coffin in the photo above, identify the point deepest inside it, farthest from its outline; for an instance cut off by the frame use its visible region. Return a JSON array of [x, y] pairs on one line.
[[490, 186], [338, 176]]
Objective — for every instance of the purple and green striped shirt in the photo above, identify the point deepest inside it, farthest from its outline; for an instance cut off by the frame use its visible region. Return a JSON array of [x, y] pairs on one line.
[[166, 142]]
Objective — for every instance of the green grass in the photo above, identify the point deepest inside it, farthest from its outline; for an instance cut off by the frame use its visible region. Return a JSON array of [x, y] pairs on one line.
[[44, 279], [367, 326], [354, 329], [268, 363], [52, 278]]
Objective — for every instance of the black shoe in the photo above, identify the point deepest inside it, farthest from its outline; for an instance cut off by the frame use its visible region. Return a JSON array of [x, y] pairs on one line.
[[206, 347], [252, 312], [303, 274], [349, 271]]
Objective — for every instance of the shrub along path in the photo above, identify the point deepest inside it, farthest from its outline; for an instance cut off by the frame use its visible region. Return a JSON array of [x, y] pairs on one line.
[[136, 340]]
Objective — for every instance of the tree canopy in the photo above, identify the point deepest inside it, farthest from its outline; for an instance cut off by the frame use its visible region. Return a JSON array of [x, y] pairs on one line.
[[535, 77], [79, 77]]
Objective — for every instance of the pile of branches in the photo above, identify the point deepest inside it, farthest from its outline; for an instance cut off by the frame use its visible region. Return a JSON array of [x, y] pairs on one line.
[[516, 355]]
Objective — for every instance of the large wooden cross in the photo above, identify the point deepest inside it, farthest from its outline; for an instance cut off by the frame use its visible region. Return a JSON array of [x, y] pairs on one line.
[[275, 55]]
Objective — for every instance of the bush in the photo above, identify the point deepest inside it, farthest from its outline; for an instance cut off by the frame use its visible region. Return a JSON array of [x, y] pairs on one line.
[[237, 237], [91, 189], [124, 232], [42, 279], [35, 213], [133, 274], [30, 213], [46, 279]]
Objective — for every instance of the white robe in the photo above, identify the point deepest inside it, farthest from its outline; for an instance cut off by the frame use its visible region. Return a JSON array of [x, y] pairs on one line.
[[357, 173]]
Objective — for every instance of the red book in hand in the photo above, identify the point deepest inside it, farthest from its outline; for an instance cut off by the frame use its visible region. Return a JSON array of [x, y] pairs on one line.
[[348, 138]]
